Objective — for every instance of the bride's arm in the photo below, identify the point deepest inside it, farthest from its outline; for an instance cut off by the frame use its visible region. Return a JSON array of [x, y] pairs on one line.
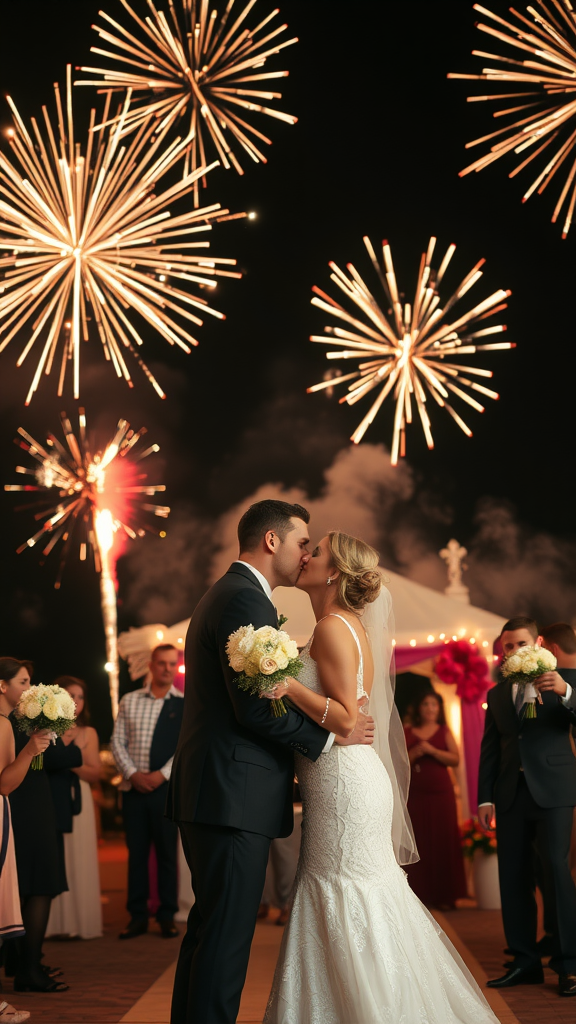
[[336, 658]]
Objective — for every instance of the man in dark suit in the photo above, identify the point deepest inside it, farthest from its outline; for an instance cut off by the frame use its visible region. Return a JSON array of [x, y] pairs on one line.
[[528, 776], [231, 784]]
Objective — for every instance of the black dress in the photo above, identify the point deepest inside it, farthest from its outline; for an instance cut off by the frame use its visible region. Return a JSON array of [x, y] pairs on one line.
[[39, 846]]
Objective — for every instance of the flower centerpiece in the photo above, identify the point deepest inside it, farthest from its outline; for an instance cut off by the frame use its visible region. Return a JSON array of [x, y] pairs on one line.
[[478, 845], [45, 707], [474, 837], [263, 658], [523, 667]]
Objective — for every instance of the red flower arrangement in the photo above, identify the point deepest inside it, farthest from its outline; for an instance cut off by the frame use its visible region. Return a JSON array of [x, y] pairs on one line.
[[474, 837], [461, 664]]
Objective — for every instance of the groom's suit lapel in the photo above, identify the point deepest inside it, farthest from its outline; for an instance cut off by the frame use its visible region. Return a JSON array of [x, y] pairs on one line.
[[243, 570]]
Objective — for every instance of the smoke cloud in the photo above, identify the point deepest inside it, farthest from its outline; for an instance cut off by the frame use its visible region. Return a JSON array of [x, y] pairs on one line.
[[510, 569]]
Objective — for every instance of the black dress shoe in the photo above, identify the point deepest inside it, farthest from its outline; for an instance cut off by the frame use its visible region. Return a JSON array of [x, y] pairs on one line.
[[567, 985], [519, 976], [49, 985], [133, 929], [168, 929]]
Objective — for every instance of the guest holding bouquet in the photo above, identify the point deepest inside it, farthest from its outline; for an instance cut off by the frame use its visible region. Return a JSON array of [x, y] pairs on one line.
[[78, 912], [438, 878], [38, 844]]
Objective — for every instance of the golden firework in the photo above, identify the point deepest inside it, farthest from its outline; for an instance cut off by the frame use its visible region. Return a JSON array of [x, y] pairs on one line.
[[87, 243], [541, 98], [190, 63], [93, 500], [408, 351]]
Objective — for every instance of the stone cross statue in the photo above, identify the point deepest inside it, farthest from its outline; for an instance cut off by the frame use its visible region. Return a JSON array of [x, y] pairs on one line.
[[454, 554]]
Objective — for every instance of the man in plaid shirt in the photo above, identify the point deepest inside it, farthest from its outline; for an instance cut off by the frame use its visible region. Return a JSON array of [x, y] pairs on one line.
[[143, 743]]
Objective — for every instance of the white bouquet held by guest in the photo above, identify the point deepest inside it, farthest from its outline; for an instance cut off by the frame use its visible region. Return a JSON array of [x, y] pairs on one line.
[[45, 707], [523, 667], [263, 657]]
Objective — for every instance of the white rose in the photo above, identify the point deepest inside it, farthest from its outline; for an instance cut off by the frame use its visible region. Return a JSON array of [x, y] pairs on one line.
[[530, 664], [514, 663], [547, 659], [280, 658], [246, 641], [237, 662], [31, 708], [290, 648], [266, 633], [51, 709], [268, 665]]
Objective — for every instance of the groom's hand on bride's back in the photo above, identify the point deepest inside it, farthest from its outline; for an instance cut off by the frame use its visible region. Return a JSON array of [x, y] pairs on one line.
[[363, 732]]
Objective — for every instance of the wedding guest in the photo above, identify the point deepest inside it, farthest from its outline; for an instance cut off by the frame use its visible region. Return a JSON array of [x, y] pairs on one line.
[[143, 743], [78, 912], [39, 856], [438, 878], [527, 777]]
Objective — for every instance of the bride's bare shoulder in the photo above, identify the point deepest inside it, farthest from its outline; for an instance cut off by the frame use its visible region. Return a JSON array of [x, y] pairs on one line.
[[331, 631]]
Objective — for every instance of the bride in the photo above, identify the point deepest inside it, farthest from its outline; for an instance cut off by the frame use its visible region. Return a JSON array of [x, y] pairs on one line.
[[359, 947]]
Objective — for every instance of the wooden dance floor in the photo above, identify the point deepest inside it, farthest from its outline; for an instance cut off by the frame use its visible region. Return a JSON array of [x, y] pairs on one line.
[[112, 981]]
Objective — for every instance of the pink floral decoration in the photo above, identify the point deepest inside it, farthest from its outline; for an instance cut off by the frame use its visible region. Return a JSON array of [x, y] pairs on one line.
[[461, 664]]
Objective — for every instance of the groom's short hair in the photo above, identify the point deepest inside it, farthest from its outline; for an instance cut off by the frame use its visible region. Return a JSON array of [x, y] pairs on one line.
[[267, 515], [521, 622]]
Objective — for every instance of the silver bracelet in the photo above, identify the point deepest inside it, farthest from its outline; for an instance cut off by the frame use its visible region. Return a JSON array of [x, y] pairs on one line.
[[328, 699]]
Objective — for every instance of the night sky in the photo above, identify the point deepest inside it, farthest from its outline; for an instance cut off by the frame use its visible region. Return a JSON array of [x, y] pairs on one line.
[[376, 151]]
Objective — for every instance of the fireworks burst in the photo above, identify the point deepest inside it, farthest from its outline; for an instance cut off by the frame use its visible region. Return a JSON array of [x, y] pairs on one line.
[[93, 501], [408, 351], [542, 100], [87, 242], [191, 64]]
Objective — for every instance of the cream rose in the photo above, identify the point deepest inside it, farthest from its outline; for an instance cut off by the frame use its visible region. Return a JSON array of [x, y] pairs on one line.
[[237, 662], [51, 709], [268, 665], [32, 708], [280, 658]]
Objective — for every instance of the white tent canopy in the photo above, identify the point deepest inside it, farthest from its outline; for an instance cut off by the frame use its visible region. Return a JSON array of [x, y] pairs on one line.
[[422, 616]]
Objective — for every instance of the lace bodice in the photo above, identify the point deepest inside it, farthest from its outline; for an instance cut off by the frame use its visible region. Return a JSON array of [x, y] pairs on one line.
[[308, 675]]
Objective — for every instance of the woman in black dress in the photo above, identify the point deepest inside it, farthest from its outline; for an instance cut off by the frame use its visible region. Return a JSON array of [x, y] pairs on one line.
[[39, 846]]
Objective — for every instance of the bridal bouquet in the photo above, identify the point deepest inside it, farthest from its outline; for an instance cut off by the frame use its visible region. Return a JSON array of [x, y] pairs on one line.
[[524, 667], [263, 657], [45, 707]]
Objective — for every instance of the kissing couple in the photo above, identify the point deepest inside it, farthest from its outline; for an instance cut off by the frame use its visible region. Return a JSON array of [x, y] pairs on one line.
[[359, 947]]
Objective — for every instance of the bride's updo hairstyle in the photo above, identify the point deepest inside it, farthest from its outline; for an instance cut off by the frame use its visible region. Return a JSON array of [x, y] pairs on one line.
[[360, 579]]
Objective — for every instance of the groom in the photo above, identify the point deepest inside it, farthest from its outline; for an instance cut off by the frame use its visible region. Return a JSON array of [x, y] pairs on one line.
[[231, 783]]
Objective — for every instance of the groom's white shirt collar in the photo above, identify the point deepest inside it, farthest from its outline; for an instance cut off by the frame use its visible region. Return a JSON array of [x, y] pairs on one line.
[[261, 579]]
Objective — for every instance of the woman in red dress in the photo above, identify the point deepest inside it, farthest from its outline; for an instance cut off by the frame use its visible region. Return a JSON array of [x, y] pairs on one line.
[[438, 878]]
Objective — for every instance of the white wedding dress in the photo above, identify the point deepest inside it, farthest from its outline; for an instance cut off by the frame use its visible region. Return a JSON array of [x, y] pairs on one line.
[[78, 912], [359, 947]]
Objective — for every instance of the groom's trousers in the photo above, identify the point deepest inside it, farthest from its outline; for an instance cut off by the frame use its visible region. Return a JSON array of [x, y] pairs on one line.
[[228, 869]]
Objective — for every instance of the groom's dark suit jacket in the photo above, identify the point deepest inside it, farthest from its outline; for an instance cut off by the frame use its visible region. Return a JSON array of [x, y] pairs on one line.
[[540, 746], [234, 761]]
